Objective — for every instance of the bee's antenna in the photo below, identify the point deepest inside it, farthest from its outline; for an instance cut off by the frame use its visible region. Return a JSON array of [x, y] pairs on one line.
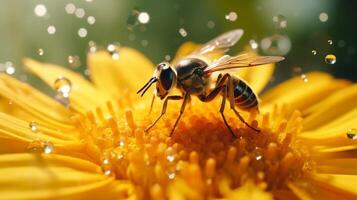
[[147, 86]]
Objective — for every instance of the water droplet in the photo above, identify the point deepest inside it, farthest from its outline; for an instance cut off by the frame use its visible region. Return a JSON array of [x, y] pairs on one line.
[[82, 32], [91, 20], [323, 17], [170, 156], [48, 147], [87, 72], [330, 59], [113, 49], [74, 61], [92, 46], [167, 57], [33, 126], [280, 21], [257, 154], [35, 146], [143, 17], [70, 8], [211, 24], [314, 52], [79, 12], [304, 78], [171, 174], [144, 43], [183, 32], [64, 100], [276, 45], [108, 172], [132, 19], [63, 86], [106, 161], [253, 44], [9, 68], [121, 143], [51, 29], [40, 52], [330, 42], [232, 16], [352, 134], [40, 10]]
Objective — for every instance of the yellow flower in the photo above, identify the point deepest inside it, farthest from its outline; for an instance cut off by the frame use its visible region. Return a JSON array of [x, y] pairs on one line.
[[96, 147]]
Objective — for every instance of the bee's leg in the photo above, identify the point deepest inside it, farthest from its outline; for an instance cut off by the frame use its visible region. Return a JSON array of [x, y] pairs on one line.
[[152, 103], [221, 110], [232, 104], [185, 100], [163, 110]]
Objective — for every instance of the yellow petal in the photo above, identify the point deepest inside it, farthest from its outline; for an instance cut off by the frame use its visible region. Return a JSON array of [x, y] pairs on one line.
[[332, 108], [301, 95], [337, 166], [29, 104], [130, 71], [343, 186], [84, 96], [33, 176], [16, 136], [249, 191]]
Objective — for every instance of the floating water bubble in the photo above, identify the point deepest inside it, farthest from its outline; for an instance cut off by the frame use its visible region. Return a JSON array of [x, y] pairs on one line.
[[40, 10], [323, 17], [92, 46], [132, 37], [70, 8], [40, 51], [143, 17], [51, 29], [276, 45], [132, 19], [63, 86], [144, 43], [167, 57], [183, 32], [33, 126], [79, 13], [330, 59], [47, 147], [280, 21], [9, 68], [74, 61], [352, 134], [314, 52], [211, 24], [330, 42], [231, 16], [82, 32], [113, 49], [253, 44], [91, 20], [87, 72]]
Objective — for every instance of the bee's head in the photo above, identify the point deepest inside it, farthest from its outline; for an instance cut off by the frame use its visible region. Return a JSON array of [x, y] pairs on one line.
[[165, 77]]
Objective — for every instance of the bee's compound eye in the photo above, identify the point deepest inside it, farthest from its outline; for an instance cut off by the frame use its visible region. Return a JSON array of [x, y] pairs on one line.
[[167, 78]]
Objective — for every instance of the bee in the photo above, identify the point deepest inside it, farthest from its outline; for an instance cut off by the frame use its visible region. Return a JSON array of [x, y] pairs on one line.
[[193, 75]]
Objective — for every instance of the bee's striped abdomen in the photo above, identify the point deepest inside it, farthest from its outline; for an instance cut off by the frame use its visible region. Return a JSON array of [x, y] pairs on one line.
[[244, 96]]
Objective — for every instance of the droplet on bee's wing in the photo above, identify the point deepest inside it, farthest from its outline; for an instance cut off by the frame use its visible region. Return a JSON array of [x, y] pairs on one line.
[[330, 59]]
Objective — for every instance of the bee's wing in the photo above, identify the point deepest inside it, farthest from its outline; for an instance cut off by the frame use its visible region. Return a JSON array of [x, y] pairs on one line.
[[241, 61], [221, 42]]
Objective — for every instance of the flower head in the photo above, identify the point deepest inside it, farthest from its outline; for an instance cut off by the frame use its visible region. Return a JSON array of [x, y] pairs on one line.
[[89, 141]]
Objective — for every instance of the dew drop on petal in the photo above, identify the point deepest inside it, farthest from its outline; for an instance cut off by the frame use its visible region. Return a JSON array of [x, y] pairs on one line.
[[171, 174], [232, 16], [35, 146], [323, 17], [91, 20], [121, 143], [47, 147], [51, 29], [143, 17], [63, 86], [183, 32], [304, 78], [33, 126], [92, 46], [113, 49], [9, 68], [70, 8], [352, 134], [330, 59], [40, 10], [314, 52], [82, 32]]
